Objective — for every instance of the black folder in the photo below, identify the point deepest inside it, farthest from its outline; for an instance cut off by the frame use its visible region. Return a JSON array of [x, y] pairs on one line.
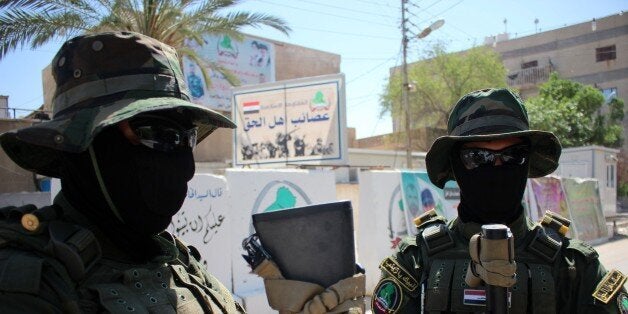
[[312, 243]]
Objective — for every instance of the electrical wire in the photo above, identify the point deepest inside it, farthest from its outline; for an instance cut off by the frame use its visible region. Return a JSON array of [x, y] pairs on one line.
[[328, 14]]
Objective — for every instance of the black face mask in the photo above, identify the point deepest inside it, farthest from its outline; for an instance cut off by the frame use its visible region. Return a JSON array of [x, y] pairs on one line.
[[490, 194], [146, 186]]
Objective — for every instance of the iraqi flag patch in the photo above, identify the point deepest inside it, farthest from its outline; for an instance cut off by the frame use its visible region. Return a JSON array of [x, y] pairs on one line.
[[474, 297]]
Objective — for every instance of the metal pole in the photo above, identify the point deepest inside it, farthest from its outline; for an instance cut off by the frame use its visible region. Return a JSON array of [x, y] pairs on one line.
[[404, 87]]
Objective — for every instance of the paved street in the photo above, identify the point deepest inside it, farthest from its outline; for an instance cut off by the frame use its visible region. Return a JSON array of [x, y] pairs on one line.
[[614, 253]]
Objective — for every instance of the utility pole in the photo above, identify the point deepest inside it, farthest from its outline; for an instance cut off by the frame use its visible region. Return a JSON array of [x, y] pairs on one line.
[[405, 85]]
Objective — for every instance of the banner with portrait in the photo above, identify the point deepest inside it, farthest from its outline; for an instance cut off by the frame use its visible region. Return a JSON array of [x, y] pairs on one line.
[[420, 195], [251, 60]]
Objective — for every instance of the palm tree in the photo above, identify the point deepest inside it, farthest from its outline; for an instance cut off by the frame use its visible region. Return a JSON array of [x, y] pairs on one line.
[[35, 22]]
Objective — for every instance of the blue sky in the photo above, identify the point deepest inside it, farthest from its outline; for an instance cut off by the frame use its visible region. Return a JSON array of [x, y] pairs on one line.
[[367, 36]]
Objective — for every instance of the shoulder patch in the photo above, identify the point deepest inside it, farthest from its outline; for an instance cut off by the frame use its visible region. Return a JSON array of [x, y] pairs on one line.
[[609, 285], [387, 297], [400, 274]]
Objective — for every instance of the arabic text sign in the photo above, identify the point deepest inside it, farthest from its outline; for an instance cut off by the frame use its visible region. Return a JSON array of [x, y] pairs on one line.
[[251, 60], [205, 223], [290, 122]]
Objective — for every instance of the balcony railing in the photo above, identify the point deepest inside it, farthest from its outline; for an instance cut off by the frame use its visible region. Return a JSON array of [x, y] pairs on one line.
[[17, 113], [530, 76]]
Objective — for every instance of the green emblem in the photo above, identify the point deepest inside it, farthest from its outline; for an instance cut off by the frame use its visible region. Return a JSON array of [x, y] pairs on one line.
[[284, 199], [226, 42], [387, 297], [318, 98]]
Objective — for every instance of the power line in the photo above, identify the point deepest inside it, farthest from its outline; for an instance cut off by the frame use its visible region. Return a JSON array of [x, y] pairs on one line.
[[343, 33], [370, 70], [379, 4], [329, 14], [352, 10]]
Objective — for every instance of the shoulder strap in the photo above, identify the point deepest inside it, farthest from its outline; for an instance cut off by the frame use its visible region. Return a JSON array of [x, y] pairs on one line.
[[74, 246], [434, 234], [544, 246], [582, 248], [549, 236]]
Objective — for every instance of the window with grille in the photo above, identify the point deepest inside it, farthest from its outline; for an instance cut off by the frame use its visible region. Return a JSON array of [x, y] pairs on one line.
[[530, 64], [610, 176], [605, 53]]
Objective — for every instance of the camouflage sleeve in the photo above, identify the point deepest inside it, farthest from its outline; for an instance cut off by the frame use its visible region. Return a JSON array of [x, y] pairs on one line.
[[592, 288], [399, 289], [30, 285]]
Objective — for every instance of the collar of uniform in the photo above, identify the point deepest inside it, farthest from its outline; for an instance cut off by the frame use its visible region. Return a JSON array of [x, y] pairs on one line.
[[169, 251], [519, 228]]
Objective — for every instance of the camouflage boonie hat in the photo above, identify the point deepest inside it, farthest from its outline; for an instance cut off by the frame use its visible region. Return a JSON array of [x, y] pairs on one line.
[[486, 115], [103, 79]]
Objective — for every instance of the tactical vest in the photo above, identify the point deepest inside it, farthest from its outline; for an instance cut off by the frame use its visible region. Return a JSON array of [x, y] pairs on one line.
[[444, 256], [89, 281]]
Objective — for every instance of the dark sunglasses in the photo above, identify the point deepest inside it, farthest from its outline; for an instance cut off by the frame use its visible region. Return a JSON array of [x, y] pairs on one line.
[[473, 157], [163, 134]]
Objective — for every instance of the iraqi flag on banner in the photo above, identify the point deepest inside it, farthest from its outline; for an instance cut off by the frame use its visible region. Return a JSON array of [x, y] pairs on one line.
[[251, 107]]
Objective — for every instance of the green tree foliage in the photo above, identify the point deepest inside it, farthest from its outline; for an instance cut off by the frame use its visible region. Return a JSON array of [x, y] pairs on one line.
[[440, 81], [578, 114], [32, 23]]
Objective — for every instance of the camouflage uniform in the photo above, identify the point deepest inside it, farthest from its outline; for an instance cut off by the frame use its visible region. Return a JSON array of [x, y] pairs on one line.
[[66, 268], [551, 278], [58, 258], [554, 274]]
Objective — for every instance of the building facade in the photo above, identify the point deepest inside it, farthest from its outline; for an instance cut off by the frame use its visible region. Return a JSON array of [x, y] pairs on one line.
[[214, 153], [593, 53]]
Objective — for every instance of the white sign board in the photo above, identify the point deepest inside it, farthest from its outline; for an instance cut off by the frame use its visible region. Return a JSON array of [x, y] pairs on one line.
[[378, 220], [251, 60], [295, 121], [257, 191], [204, 221]]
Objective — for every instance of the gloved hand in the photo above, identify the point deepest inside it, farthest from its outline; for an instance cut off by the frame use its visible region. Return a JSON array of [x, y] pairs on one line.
[[492, 261], [292, 296]]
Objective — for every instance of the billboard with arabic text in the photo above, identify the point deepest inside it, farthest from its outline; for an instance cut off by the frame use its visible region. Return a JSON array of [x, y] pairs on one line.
[[294, 121]]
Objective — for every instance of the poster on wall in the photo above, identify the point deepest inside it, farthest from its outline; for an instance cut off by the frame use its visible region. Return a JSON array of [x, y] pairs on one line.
[[257, 191], [204, 222], [295, 121], [548, 196], [251, 60], [383, 219], [420, 196], [583, 200]]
